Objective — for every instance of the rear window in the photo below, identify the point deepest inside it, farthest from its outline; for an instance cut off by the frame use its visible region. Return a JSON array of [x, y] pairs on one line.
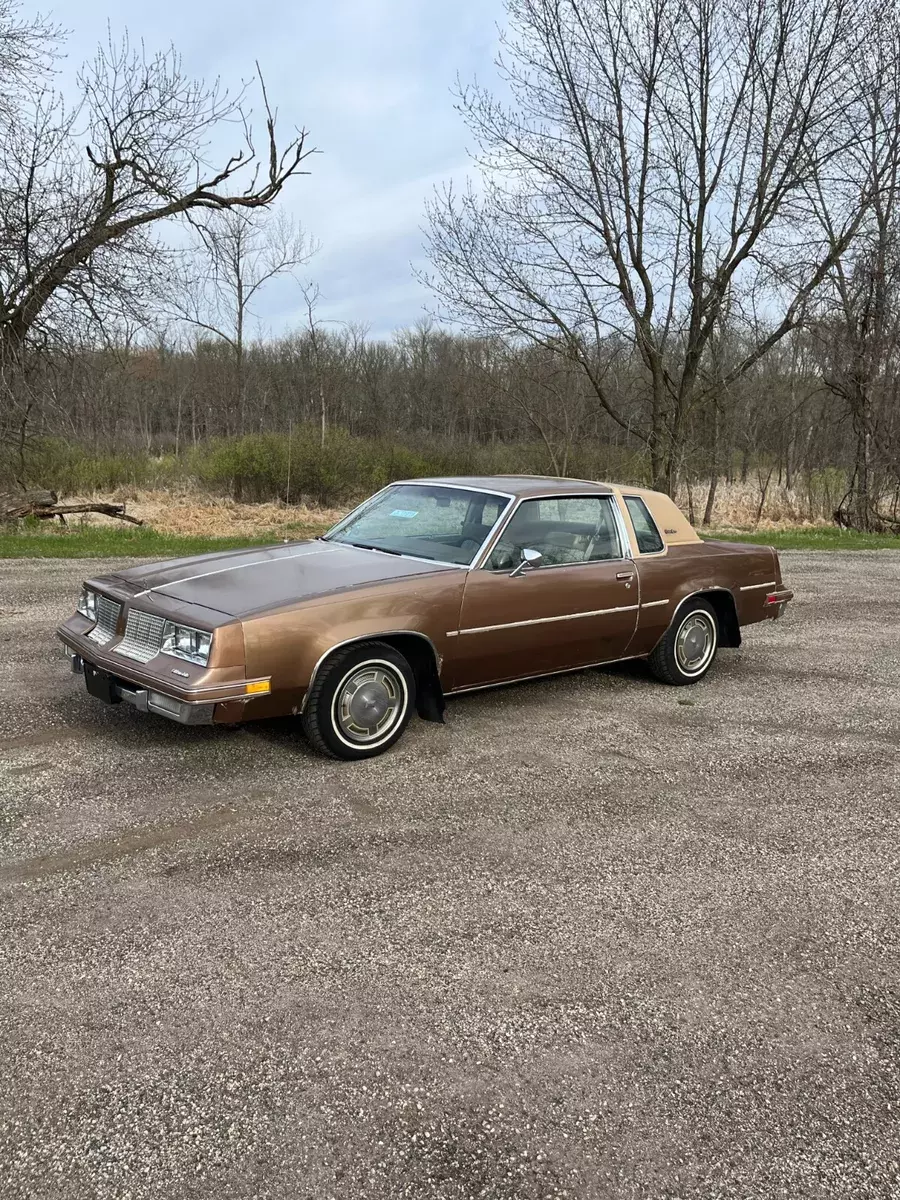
[[648, 537]]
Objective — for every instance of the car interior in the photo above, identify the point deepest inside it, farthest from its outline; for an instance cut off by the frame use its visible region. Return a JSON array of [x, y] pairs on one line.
[[558, 541]]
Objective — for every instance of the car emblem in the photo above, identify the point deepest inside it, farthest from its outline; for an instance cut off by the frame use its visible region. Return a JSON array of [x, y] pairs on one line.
[[183, 674]]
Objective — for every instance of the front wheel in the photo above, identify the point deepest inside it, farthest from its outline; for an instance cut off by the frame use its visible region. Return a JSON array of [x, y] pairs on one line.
[[360, 701], [687, 649]]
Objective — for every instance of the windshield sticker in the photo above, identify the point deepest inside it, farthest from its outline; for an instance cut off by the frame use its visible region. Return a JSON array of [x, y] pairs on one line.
[[405, 513]]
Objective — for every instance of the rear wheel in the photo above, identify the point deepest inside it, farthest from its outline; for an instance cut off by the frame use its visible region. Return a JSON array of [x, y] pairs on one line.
[[360, 701], [686, 651]]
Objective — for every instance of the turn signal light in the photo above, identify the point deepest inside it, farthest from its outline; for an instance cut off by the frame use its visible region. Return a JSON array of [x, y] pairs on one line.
[[260, 688]]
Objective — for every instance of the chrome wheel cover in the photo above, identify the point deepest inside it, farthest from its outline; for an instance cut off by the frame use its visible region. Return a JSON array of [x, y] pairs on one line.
[[695, 643], [369, 703]]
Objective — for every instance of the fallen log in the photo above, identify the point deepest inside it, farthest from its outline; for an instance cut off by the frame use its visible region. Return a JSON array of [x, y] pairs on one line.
[[43, 506]]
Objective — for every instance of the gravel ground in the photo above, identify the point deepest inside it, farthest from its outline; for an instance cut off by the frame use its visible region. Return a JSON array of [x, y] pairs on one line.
[[595, 937]]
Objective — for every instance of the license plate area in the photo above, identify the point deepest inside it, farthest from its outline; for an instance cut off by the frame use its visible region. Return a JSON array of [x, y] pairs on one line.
[[100, 684]]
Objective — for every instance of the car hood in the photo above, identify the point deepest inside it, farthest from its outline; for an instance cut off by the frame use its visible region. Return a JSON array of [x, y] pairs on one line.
[[241, 582]]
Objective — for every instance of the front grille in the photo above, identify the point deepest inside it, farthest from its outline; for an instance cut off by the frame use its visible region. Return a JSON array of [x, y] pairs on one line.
[[143, 636], [107, 620]]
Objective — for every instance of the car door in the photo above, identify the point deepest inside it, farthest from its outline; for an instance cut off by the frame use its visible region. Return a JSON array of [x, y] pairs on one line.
[[578, 607]]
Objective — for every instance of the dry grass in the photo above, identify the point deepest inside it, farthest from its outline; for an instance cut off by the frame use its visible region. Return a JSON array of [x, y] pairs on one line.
[[737, 506], [195, 514]]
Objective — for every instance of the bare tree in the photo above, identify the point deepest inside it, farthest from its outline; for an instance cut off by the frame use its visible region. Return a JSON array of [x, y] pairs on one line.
[[311, 294], [857, 324], [238, 254], [85, 191], [656, 159], [28, 47], [548, 390]]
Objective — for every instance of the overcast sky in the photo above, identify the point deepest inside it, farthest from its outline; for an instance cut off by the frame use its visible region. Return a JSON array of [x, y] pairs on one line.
[[372, 81]]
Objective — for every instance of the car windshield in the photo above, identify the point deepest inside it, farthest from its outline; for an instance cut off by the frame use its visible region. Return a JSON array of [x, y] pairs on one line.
[[447, 524]]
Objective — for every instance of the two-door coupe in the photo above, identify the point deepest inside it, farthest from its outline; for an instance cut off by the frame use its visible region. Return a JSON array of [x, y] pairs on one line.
[[430, 588]]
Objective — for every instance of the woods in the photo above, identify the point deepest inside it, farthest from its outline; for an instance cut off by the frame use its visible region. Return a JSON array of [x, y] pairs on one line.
[[677, 261], [681, 183]]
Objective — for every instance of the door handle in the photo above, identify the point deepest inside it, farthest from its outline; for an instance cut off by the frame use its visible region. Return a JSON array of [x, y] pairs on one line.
[[625, 575]]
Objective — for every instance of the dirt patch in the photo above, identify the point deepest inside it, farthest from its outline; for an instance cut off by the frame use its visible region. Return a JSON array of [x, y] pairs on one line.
[[120, 845]]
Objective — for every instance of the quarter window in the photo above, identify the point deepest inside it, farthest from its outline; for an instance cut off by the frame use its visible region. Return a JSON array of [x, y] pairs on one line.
[[648, 537], [564, 529]]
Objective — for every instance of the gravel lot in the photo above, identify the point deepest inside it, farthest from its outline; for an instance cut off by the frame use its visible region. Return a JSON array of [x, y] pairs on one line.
[[595, 937]]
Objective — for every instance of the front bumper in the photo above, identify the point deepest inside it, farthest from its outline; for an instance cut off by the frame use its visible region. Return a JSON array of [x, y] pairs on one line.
[[219, 686], [113, 690]]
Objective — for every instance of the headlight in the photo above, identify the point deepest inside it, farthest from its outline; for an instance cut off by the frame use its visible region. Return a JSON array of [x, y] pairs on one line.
[[183, 642], [87, 604]]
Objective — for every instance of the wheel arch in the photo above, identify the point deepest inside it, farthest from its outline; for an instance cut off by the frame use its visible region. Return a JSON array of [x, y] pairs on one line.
[[725, 608], [419, 651]]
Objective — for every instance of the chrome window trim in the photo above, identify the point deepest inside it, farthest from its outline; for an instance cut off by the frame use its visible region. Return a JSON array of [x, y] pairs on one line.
[[368, 637], [456, 487], [479, 563], [596, 612], [646, 553], [461, 487], [624, 536]]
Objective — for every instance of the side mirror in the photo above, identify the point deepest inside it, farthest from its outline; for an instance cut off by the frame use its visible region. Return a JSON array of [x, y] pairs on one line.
[[530, 560]]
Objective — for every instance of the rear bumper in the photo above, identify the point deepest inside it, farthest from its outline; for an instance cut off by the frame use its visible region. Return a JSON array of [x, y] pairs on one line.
[[777, 600]]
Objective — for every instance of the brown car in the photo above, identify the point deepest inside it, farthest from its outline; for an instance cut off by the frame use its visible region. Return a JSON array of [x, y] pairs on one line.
[[431, 587]]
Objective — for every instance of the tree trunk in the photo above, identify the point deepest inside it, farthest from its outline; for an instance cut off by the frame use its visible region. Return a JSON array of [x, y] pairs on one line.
[[239, 363], [657, 464], [861, 501], [714, 468], [43, 505], [710, 500]]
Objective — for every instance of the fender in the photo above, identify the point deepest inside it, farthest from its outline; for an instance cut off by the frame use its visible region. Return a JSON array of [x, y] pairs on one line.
[[725, 606], [422, 656]]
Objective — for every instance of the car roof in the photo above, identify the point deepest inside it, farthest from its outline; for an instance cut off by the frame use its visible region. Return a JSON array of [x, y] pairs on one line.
[[673, 526], [520, 485]]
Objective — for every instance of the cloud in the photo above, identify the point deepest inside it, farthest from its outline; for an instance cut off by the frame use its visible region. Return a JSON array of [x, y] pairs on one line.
[[372, 81]]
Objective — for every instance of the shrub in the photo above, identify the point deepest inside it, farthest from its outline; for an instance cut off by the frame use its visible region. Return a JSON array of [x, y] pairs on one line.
[[268, 466]]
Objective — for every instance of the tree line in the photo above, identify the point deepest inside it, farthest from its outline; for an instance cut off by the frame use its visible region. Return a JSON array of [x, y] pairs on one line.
[[681, 246], [447, 391]]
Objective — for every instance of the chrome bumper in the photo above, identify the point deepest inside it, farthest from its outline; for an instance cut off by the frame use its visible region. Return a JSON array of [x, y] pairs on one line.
[[777, 600], [145, 700]]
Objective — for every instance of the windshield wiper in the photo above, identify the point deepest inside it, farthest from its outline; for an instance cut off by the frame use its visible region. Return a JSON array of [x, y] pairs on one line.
[[382, 549]]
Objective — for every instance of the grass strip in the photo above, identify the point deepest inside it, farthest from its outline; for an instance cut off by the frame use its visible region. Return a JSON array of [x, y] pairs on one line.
[[105, 541]]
